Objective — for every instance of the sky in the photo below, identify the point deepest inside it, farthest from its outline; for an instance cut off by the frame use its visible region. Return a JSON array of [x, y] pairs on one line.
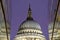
[[41, 9]]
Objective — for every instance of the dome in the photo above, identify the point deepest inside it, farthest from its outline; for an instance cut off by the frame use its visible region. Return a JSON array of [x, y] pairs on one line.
[[29, 29], [30, 24]]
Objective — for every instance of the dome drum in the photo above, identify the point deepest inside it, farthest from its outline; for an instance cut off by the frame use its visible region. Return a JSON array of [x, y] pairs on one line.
[[30, 36]]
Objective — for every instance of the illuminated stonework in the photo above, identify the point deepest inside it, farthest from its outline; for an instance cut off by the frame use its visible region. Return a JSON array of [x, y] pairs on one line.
[[3, 35], [56, 35], [29, 30]]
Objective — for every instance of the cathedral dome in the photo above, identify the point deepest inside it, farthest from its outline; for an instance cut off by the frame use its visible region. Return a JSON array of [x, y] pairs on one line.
[[29, 29], [30, 24]]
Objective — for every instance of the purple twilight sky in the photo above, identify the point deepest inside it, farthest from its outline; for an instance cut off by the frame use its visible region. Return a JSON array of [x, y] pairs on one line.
[[40, 13]]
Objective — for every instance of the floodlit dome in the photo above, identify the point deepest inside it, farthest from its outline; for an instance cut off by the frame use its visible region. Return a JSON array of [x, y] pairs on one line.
[[29, 29], [30, 24]]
